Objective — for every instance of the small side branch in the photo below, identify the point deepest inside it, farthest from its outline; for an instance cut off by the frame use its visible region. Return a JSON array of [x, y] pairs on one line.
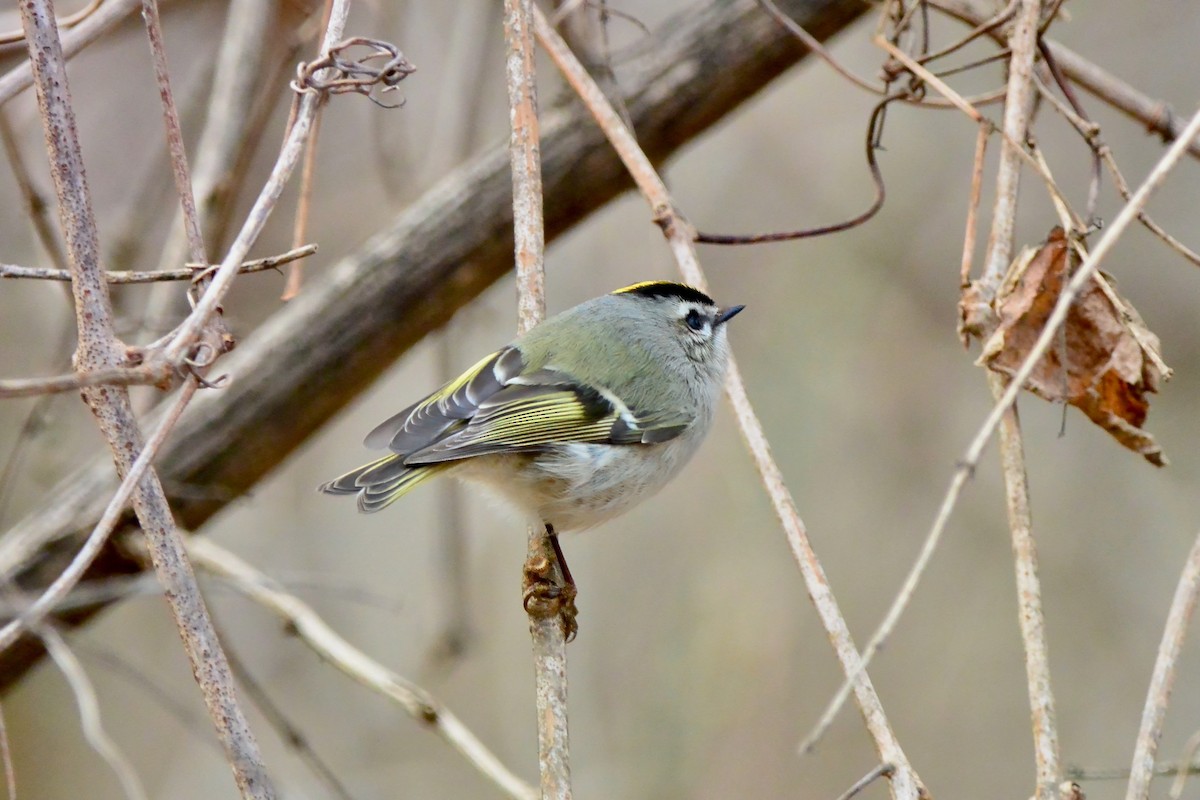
[[120, 277]]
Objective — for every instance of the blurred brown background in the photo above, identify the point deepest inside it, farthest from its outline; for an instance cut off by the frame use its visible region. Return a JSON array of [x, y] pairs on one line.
[[700, 663]]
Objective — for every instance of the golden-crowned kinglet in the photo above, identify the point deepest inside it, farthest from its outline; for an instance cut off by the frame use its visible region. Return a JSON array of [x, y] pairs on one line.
[[575, 421]]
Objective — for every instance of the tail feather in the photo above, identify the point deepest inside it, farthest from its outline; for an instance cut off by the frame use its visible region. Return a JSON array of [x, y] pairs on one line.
[[382, 482]]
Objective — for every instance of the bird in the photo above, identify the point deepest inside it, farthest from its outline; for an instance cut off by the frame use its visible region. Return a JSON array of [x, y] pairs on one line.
[[574, 422]]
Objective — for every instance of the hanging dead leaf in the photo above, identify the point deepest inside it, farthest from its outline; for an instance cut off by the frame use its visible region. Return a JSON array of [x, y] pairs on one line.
[[1112, 358]]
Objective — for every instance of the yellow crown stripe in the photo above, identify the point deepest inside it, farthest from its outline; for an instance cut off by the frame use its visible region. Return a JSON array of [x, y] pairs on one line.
[[633, 287]]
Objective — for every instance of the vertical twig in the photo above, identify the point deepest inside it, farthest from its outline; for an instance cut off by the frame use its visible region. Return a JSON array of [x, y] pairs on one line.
[[179, 163], [99, 349], [1018, 105], [1029, 598], [307, 181], [303, 209], [904, 782], [547, 632], [973, 206], [1163, 678], [1018, 109]]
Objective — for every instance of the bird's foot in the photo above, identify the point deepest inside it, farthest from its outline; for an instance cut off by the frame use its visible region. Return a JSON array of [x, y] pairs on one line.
[[543, 597]]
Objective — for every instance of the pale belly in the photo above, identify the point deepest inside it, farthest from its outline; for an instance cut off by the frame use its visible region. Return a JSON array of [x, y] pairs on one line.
[[579, 486]]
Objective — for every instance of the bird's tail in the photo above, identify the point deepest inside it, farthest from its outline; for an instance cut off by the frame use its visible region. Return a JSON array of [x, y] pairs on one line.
[[382, 482]]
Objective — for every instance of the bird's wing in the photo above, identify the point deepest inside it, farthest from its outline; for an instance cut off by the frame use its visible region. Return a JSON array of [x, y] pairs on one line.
[[493, 408], [544, 407], [429, 419]]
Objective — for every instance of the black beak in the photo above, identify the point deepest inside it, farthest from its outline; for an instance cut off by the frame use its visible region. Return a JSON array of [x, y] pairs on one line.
[[726, 314]]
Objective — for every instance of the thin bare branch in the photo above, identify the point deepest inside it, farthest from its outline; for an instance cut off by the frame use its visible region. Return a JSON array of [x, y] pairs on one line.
[[880, 771], [89, 712], [1018, 110], [125, 277], [968, 255], [287, 730], [1029, 598], [70, 21], [904, 782], [1003, 16], [1156, 115], [1189, 756], [179, 163], [1064, 85], [308, 179], [332, 648], [547, 628], [1163, 678], [149, 375], [814, 44]]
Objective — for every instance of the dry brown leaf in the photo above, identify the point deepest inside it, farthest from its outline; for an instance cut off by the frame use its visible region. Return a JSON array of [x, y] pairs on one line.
[[1112, 359]]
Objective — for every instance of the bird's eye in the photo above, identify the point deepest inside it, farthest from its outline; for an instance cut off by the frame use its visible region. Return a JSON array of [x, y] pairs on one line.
[[694, 320]]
